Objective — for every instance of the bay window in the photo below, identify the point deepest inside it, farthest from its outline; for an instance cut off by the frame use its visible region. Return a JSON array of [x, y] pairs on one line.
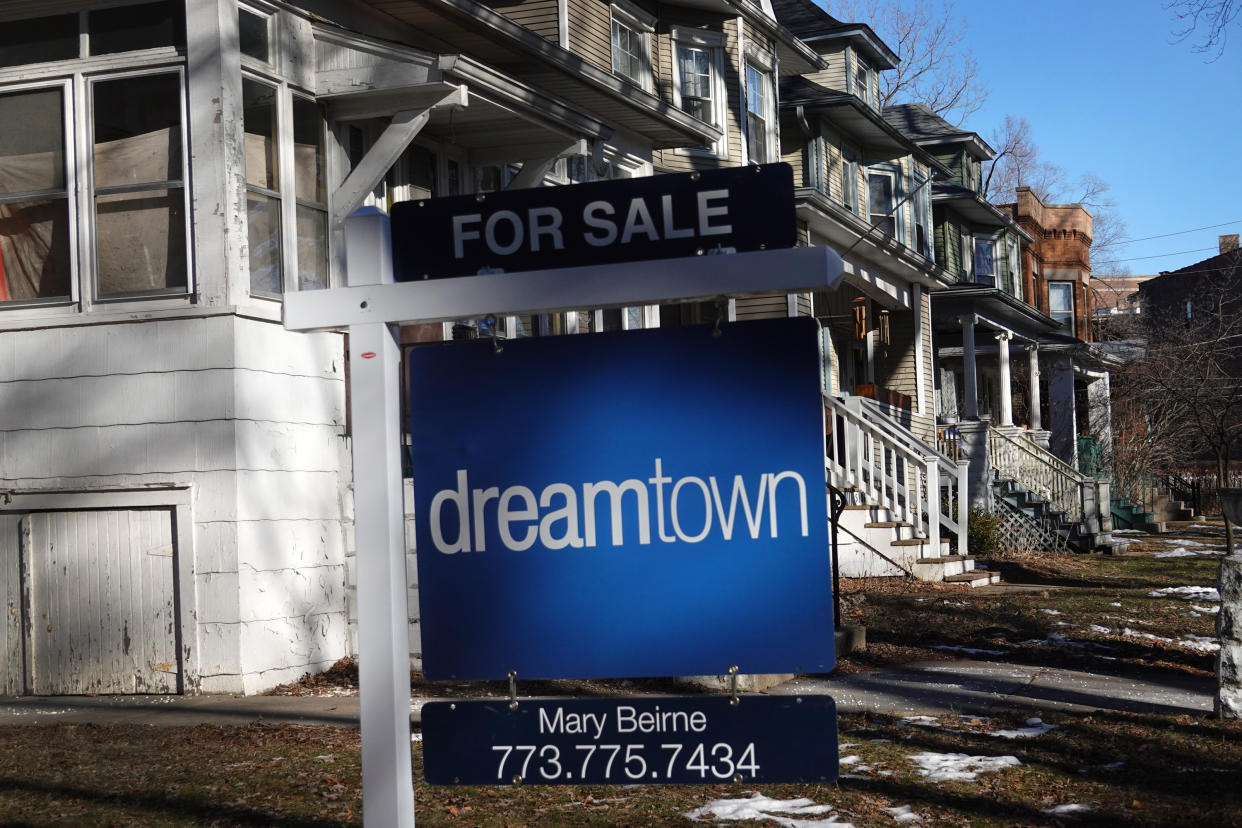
[[263, 195]]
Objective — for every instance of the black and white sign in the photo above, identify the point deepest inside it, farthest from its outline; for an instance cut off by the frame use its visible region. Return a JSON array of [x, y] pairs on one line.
[[738, 209], [631, 741]]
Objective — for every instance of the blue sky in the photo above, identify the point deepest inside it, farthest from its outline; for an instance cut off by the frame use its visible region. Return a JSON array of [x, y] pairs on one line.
[[1106, 90]]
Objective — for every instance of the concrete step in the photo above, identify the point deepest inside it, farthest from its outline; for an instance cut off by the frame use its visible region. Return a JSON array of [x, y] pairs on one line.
[[939, 568], [975, 578]]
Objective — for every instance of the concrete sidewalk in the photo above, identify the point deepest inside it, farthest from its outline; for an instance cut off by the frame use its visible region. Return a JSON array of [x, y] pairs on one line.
[[929, 688]]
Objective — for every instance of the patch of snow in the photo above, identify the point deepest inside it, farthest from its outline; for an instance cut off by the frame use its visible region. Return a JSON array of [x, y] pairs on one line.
[[1066, 810], [921, 721], [850, 760], [759, 807], [1096, 628], [1034, 727], [1115, 604], [1129, 532], [1051, 611], [1182, 542], [416, 737], [1187, 593], [903, 813], [1205, 610], [1183, 552], [959, 767], [1193, 642]]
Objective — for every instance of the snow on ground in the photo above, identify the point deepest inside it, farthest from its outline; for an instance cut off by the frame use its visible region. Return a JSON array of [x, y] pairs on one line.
[[1182, 542], [1051, 611], [1194, 642], [903, 813], [1034, 727], [1096, 628], [1188, 593], [1129, 532], [783, 812], [959, 767], [1205, 610], [1067, 810], [1183, 552]]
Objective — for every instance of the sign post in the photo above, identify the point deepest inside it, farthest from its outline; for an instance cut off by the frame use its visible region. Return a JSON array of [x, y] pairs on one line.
[[383, 617]]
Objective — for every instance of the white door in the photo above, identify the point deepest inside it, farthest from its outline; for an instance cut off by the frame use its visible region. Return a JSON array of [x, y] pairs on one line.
[[100, 602]]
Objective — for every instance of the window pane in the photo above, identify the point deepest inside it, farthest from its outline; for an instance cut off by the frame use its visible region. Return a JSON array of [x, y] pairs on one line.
[[140, 241], [696, 83], [32, 141], [128, 28], [259, 104], [34, 250], [252, 32], [38, 40], [137, 130], [984, 265], [308, 172], [312, 248], [263, 232]]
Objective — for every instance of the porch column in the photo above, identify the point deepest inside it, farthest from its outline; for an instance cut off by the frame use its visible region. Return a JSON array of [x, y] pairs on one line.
[[1006, 392], [1063, 440], [1032, 355], [1100, 410], [969, 376]]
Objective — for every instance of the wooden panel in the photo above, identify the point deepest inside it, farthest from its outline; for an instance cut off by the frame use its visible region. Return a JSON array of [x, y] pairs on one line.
[[590, 31], [13, 676], [767, 306], [101, 603]]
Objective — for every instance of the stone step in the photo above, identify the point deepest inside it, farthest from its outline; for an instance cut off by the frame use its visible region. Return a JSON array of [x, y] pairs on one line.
[[975, 578]]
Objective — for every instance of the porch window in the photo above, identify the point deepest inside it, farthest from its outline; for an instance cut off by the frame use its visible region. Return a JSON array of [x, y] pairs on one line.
[[311, 191], [139, 187], [254, 36], [263, 192], [1061, 304], [34, 197]]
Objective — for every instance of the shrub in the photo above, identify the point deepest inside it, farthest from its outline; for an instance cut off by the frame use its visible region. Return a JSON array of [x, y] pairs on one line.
[[983, 535]]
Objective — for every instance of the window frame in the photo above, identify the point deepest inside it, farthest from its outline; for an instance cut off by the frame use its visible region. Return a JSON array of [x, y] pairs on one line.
[[1070, 313], [863, 67], [922, 208], [987, 241], [642, 25], [69, 153], [895, 212], [761, 65], [88, 194], [713, 44], [849, 181]]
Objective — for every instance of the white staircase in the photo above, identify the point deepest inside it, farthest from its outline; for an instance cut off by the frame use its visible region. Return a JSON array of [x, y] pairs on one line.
[[902, 508]]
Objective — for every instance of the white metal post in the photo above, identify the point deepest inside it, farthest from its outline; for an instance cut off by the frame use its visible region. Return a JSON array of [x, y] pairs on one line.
[[383, 617]]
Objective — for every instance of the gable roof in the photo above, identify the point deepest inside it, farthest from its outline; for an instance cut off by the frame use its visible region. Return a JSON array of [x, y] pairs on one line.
[[811, 23], [926, 128]]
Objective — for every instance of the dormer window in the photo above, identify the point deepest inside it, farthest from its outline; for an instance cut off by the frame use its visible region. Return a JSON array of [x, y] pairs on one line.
[[697, 80], [631, 44]]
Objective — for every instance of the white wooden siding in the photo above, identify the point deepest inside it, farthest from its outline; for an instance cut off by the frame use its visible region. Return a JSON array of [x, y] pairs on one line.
[[12, 677]]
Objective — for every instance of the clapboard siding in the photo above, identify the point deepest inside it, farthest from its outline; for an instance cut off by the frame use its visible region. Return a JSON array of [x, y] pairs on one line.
[[590, 31], [540, 16], [834, 77], [12, 676], [766, 306]]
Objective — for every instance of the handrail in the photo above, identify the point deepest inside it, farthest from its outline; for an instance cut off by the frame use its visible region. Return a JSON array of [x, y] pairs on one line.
[[1039, 471], [869, 452]]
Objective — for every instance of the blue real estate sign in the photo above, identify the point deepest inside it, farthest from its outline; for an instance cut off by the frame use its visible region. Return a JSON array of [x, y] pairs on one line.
[[646, 503]]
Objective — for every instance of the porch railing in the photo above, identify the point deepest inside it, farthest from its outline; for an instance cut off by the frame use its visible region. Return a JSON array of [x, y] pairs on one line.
[[868, 452], [1039, 471]]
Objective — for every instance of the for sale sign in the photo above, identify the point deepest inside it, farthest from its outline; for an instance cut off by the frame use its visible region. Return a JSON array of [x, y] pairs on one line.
[[646, 503], [738, 209]]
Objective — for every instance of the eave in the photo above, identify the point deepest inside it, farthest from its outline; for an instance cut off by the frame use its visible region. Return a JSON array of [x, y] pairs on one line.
[[469, 27], [861, 36], [795, 57], [975, 209], [863, 124]]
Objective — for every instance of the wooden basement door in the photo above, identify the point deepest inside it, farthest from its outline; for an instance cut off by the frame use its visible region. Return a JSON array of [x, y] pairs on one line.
[[90, 602]]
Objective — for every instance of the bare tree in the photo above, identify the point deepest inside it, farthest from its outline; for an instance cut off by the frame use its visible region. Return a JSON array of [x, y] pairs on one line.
[[1018, 163], [937, 67], [1214, 16], [1188, 383]]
